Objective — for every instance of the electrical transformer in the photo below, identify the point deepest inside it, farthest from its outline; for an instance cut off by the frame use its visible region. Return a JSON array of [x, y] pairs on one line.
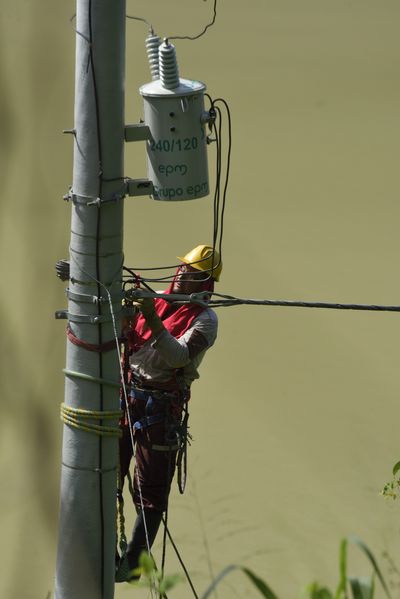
[[174, 112]]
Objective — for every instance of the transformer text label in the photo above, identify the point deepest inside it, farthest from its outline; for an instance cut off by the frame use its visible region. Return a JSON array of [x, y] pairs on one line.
[[177, 193], [174, 145], [170, 169]]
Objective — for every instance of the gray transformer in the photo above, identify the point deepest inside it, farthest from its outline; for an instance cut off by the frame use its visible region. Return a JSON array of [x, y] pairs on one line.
[[177, 149]]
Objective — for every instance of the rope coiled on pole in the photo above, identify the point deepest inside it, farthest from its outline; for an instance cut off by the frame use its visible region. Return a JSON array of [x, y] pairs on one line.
[[80, 419]]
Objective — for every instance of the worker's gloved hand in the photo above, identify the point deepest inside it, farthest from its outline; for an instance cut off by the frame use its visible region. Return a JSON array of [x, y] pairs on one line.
[[146, 306]]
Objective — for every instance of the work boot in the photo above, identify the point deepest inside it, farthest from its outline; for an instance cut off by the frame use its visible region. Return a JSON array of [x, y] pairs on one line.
[[122, 570], [138, 542]]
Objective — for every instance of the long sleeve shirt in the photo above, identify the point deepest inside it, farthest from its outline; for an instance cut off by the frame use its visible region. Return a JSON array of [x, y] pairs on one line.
[[159, 357]]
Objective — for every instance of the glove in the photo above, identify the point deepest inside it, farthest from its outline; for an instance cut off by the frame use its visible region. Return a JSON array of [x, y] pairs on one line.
[[146, 306]]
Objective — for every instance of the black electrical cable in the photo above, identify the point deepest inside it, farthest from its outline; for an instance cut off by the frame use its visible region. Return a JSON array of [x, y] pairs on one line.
[[217, 192], [196, 37], [228, 166], [100, 336], [180, 560], [143, 21], [136, 278]]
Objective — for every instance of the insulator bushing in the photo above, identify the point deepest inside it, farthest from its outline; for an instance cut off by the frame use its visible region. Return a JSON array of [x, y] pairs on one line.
[[152, 44], [62, 269], [168, 66]]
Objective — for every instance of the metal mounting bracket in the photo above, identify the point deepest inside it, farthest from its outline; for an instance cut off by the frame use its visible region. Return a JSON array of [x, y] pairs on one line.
[[138, 132], [139, 187], [85, 318], [61, 315]]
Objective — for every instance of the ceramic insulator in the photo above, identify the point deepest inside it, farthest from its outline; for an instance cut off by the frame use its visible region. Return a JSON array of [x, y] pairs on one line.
[[152, 45], [168, 65]]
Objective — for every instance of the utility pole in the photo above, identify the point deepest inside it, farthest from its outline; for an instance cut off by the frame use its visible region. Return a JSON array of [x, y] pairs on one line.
[[87, 536]]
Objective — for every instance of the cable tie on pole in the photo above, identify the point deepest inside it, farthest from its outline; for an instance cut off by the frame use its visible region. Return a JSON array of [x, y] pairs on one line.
[[115, 197], [92, 283], [86, 469], [84, 298], [91, 318], [90, 378], [96, 202], [95, 254]]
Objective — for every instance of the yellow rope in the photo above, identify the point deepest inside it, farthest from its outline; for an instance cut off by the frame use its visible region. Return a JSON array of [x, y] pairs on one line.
[[123, 543], [78, 418]]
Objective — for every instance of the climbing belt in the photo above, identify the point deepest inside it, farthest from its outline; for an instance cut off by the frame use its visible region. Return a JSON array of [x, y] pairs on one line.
[[80, 419], [90, 378]]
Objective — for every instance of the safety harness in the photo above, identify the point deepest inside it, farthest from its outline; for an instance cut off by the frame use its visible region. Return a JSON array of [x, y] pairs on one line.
[[159, 407]]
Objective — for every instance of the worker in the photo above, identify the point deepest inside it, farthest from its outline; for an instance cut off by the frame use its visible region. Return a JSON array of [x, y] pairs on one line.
[[167, 342]]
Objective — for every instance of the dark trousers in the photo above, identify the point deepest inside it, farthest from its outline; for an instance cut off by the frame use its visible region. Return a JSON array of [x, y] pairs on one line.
[[154, 468], [153, 472]]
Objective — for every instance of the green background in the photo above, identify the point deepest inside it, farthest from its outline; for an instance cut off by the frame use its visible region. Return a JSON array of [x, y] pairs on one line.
[[295, 417]]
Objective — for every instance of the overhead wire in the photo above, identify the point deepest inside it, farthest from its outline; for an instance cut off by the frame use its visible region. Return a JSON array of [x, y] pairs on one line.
[[141, 19], [196, 37], [229, 300]]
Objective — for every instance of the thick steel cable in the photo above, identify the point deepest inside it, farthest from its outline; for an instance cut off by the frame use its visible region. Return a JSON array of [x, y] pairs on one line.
[[229, 300]]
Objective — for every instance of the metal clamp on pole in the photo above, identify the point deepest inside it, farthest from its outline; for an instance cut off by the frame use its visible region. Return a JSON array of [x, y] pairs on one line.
[[85, 318], [92, 299]]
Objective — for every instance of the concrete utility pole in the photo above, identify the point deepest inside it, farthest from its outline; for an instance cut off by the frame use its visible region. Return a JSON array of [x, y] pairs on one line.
[[87, 536]]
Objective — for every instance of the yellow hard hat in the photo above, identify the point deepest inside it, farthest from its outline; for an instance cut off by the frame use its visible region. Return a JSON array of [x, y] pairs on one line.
[[203, 257]]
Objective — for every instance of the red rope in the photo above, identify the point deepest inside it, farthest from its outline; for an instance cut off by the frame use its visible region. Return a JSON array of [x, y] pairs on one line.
[[98, 348]]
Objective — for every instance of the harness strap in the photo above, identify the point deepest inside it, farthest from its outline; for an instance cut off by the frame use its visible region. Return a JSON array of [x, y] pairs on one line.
[[181, 461], [165, 447], [146, 421]]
